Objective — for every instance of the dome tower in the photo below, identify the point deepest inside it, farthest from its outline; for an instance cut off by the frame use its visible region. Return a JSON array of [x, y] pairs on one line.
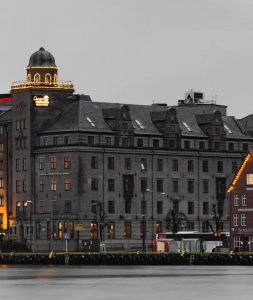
[[42, 69]]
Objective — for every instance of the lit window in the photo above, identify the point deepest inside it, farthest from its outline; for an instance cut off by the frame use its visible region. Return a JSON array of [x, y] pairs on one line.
[[1, 183], [67, 184], [53, 162], [53, 184], [111, 230], [236, 200], [249, 178], [93, 230], [236, 219], [244, 200], [67, 162], [127, 230], [1, 200], [243, 219]]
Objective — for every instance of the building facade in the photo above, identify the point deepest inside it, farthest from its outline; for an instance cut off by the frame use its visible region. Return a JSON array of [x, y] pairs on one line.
[[82, 170], [241, 207]]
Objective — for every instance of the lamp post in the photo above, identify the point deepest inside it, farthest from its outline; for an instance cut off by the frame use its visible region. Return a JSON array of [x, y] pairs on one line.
[[31, 223], [144, 225]]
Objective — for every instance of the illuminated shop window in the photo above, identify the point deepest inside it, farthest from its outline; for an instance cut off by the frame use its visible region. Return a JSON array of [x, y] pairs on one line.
[[249, 178]]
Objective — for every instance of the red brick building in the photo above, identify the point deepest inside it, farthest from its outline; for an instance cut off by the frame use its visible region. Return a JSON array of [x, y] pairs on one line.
[[241, 207]]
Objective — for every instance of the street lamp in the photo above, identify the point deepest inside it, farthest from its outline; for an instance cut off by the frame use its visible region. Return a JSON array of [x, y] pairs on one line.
[[31, 223]]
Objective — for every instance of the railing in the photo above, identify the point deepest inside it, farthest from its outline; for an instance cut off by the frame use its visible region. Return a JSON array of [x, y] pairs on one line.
[[26, 84]]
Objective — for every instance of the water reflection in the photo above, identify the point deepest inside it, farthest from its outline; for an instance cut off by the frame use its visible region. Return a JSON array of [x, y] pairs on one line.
[[126, 282]]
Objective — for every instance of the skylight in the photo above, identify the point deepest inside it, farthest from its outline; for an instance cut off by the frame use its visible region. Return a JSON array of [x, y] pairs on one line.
[[139, 124], [227, 128], [91, 123], [186, 126]]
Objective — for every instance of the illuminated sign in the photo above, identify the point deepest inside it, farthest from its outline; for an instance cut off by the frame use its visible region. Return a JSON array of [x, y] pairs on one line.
[[41, 100], [5, 98]]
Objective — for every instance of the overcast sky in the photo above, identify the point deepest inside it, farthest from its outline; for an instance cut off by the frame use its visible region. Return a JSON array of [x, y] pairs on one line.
[[136, 51]]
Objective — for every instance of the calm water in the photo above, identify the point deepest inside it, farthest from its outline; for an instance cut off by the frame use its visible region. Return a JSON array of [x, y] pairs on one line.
[[134, 283]]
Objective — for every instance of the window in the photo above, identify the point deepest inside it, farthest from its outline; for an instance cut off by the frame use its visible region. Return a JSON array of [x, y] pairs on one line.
[[190, 186], [124, 125], [237, 243], [172, 144], [202, 145], [59, 230], [159, 164], [190, 207], [231, 146], [190, 166], [190, 226], [94, 162], [24, 164], [111, 230], [155, 143], [243, 219], [53, 162], [139, 143], [1, 200], [236, 200], [127, 163], [17, 165], [111, 163], [24, 186], [127, 230], [159, 226], [90, 121], [128, 207], [91, 140], [17, 185], [236, 219], [108, 141], [67, 207], [67, 184], [53, 184], [245, 147], [234, 166], [55, 140], [111, 185], [94, 184], [205, 166], [159, 207], [44, 141], [67, 162], [66, 140], [1, 218], [249, 178], [175, 186], [205, 226], [220, 166], [143, 164], [176, 206], [111, 207], [187, 144], [41, 163], [93, 206], [159, 185], [93, 230], [41, 185], [205, 208], [217, 146], [1, 164], [205, 186], [1, 147], [144, 184], [124, 141], [244, 200], [41, 206], [175, 165]]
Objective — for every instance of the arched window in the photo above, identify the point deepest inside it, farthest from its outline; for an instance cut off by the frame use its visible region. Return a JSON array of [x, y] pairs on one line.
[[48, 78], [37, 78]]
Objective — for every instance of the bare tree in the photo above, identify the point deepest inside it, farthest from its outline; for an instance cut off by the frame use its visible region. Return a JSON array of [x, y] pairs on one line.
[[217, 220], [175, 221]]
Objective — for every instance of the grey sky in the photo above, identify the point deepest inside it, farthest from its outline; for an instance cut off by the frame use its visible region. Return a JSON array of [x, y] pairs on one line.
[[136, 50]]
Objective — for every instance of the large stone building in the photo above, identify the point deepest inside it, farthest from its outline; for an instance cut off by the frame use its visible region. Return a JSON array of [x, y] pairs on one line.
[[78, 169]]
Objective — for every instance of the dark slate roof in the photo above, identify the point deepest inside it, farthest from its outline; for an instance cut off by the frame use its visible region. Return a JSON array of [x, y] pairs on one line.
[[41, 58], [5, 115], [79, 114]]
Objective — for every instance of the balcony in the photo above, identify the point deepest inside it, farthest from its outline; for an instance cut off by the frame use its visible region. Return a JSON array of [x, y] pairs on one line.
[[68, 85]]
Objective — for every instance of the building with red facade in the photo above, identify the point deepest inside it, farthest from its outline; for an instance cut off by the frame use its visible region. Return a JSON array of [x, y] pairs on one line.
[[241, 207]]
